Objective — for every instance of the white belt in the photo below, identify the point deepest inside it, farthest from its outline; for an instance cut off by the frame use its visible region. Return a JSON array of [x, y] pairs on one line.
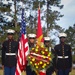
[[10, 53], [62, 56]]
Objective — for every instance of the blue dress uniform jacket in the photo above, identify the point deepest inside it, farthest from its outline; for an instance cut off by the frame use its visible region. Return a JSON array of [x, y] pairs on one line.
[[9, 53], [63, 56]]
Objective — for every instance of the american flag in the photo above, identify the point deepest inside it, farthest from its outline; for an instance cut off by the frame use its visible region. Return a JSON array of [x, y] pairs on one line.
[[23, 49]]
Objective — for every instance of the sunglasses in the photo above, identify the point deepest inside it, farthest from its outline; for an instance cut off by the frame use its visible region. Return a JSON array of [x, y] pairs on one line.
[[62, 37]]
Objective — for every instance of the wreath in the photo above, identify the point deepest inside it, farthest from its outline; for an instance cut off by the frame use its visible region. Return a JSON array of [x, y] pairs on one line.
[[39, 58]]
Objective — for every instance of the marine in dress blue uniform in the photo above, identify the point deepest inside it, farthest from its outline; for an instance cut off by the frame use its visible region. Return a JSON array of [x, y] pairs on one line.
[[50, 70], [31, 42], [9, 53], [63, 56]]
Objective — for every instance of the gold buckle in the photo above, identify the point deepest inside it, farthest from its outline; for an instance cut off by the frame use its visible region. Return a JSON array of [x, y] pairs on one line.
[[63, 56]]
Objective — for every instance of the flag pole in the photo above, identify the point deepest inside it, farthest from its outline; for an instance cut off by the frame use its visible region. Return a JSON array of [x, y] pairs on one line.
[[42, 72], [23, 49], [39, 36], [39, 33]]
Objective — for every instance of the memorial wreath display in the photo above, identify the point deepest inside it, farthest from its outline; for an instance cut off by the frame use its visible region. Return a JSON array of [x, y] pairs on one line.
[[40, 59]]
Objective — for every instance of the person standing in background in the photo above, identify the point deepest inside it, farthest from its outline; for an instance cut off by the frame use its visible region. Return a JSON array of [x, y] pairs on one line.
[[50, 70], [31, 41], [9, 53], [63, 54]]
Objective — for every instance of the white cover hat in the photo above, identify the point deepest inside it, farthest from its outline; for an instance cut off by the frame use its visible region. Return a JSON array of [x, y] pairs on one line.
[[32, 35], [10, 31], [62, 35], [47, 38]]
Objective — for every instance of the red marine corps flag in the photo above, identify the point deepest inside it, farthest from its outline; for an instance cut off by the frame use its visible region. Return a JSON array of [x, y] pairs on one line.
[[23, 49], [39, 37]]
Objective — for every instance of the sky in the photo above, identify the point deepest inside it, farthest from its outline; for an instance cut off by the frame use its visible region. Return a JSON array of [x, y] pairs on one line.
[[69, 13]]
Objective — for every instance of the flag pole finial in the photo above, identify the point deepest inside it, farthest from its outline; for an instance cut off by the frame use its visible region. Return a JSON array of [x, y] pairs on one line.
[[39, 5]]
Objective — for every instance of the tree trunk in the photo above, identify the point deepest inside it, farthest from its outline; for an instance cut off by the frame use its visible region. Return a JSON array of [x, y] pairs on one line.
[[15, 18]]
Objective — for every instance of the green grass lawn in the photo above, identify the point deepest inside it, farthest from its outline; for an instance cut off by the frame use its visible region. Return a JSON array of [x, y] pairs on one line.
[[72, 73]]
